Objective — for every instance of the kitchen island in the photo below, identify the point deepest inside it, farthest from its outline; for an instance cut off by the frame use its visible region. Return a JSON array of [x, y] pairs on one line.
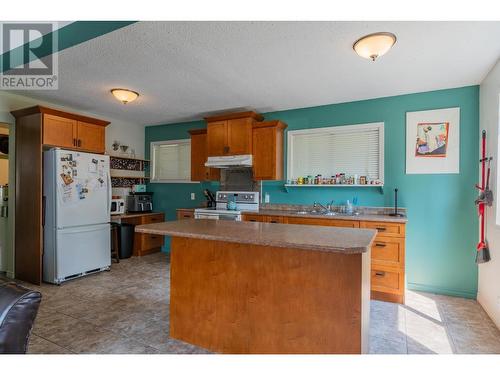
[[251, 287]]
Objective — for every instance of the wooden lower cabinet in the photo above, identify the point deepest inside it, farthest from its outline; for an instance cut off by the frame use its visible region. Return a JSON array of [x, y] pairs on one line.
[[187, 213], [264, 218], [256, 217], [145, 244], [321, 221], [387, 253]]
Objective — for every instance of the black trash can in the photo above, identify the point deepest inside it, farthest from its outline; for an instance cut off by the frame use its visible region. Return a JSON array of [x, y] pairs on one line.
[[126, 240]]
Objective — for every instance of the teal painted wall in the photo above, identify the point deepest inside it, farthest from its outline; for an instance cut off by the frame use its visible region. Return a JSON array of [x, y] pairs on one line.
[[442, 227]]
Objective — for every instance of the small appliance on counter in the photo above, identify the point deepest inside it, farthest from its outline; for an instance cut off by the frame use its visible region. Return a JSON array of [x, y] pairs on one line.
[[117, 206], [140, 202], [229, 205]]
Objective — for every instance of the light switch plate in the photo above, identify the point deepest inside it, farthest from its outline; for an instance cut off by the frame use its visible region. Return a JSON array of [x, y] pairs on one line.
[[267, 198], [193, 196]]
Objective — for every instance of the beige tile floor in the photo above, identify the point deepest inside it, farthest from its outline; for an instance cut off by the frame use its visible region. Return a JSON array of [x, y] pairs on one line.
[[126, 311]]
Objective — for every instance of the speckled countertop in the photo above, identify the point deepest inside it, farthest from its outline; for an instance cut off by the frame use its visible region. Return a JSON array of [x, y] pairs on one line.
[[306, 237], [364, 213], [360, 217]]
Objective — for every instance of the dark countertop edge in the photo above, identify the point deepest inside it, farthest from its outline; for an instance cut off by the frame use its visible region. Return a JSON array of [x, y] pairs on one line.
[[134, 214], [360, 217], [209, 237]]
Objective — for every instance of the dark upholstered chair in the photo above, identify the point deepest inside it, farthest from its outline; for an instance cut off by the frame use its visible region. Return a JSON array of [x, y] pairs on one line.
[[18, 309]]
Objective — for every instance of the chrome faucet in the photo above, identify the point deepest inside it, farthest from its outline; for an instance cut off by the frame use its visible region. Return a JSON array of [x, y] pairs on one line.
[[319, 205], [330, 206]]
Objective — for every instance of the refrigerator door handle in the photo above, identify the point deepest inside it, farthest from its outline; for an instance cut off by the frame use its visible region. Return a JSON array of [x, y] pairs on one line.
[[84, 229], [109, 193], [44, 211]]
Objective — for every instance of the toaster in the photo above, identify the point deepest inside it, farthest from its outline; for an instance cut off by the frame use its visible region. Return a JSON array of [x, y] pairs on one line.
[[140, 202]]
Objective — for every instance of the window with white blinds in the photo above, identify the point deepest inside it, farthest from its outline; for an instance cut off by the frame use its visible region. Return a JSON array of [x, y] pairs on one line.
[[352, 149], [171, 161]]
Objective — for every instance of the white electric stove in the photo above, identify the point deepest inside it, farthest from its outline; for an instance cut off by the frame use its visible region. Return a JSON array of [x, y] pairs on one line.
[[244, 200]]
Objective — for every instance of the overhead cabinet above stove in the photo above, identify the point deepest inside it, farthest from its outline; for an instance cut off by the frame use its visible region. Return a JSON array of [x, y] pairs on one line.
[[238, 139], [231, 134]]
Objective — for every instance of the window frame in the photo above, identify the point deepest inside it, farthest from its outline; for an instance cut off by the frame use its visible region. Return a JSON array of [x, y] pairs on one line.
[[154, 180], [338, 129]]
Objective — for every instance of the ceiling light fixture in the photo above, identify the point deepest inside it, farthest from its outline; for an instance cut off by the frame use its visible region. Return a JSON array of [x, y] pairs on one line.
[[124, 95], [374, 45]]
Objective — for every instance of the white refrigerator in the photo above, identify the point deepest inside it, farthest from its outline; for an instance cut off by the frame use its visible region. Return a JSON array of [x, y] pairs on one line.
[[76, 200]]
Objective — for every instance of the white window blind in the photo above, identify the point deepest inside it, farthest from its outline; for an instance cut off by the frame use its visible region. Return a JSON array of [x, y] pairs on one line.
[[352, 149], [171, 161]]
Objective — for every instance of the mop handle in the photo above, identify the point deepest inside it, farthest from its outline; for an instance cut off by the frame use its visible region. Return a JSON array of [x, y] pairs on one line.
[[483, 161], [483, 166]]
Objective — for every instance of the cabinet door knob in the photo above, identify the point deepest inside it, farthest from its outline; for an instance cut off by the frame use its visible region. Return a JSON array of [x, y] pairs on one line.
[[380, 273]]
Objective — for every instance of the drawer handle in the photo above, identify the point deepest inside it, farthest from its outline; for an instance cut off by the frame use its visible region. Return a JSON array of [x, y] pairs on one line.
[[379, 273], [252, 220], [274, 221], [380, 244], [187, 215], [154, 237], [382, 229]]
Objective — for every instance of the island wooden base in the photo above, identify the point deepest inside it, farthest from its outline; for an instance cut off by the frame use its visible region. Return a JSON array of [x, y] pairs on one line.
[[240, 298]]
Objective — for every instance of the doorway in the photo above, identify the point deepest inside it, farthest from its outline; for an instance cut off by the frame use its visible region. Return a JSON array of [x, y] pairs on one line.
[[6, 209]]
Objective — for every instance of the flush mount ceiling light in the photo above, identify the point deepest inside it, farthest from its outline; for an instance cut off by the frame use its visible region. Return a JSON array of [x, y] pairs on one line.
[[374, 45], [124, 95]]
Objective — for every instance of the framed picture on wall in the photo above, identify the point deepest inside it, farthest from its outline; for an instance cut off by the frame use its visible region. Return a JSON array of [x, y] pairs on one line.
[[433, 141]]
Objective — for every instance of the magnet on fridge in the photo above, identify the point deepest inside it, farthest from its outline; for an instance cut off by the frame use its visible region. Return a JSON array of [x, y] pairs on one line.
[[66, 178]]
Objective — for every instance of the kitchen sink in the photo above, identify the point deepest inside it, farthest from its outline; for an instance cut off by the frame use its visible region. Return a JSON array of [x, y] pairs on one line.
[[319, 213]]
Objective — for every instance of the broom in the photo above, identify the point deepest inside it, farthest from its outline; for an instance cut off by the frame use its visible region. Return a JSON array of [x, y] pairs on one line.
[[483, 252]]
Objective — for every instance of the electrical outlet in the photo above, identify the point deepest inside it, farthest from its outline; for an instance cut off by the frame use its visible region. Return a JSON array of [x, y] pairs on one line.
[[267, 198], [193, 196]]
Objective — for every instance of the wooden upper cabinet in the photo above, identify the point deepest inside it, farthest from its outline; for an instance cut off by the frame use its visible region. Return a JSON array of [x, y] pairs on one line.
[[268, 150], [231, 134], [217, 138], [199, 156], [90, 137], [239, 136], [68, 130], [59, 131]]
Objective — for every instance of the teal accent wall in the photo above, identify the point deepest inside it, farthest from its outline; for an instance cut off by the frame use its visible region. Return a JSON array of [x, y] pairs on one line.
[[442, 228], [168, 197]]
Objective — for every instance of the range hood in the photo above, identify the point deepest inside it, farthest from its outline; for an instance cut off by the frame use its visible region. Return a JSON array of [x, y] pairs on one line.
[[229, 161]]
